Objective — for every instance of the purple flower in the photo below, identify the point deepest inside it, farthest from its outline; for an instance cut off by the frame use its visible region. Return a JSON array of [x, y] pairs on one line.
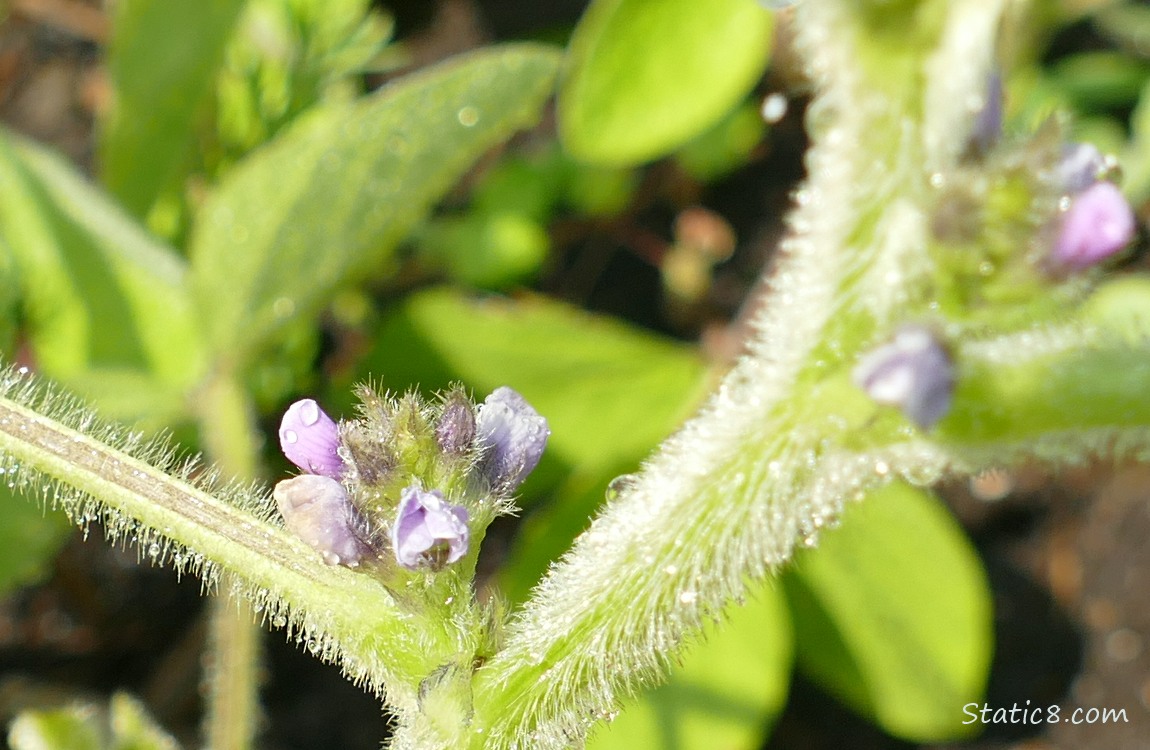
[[1098, 223], [913, 372], [428, 532], [310, 439], [513, 435], [1081, 166], [318, 510]]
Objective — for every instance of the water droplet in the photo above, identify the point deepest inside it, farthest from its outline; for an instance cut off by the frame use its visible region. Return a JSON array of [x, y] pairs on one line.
[[921, 475], [618, 486], [810, 540], [283, 307], [688, 597], [309, 413], [774, 108], [153, 550], [671, 570], [882, 468], [468, 116], [279, 621], [289, 436]]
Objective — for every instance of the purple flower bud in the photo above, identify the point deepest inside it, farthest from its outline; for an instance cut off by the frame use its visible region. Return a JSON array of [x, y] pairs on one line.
[[318, 510], [513, 435], [987, 126], [1098, 223], [1082, 165], [429, 532], [310, 439], [913, 372], [455, 430]]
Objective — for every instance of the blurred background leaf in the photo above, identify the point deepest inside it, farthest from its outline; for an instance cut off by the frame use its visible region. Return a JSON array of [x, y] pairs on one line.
[[105, 304], [124, 724], [30, 537], [726, 691], [331, 197], [159, 91], [893, 615], [643, 78]]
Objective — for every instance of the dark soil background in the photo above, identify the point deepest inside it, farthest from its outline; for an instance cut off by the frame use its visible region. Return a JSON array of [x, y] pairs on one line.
[[1067, 554]]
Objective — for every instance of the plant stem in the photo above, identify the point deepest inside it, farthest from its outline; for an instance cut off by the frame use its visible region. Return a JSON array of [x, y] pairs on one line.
[[233, 662], [349, 616]]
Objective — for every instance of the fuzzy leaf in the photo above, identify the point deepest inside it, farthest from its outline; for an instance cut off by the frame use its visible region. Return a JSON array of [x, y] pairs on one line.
[[725, 693], [162, 61], [332, 196], [103, 299], [893, 615], [644, 78]]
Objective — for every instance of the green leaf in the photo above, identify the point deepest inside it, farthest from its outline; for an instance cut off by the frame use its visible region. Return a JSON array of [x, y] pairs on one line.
[[893, 616], [332, 196], [162, 62], [103, 300], [645, 77], [1102, 79], [75, 728], [30, 537], [123, 725], [609, 391], [726, 692], [133, 728]]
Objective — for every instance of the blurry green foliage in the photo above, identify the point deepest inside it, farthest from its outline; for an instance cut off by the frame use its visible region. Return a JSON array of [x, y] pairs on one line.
[[642, 78], [124, 724], [30, 537], [331, 198], [893, 615], [159, 91], [726, 691]]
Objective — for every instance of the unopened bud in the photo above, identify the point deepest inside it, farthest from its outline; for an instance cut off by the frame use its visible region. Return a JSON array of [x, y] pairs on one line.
[[513, 435], [1097, 224], [310, 439], [317, 509], [913, 373]]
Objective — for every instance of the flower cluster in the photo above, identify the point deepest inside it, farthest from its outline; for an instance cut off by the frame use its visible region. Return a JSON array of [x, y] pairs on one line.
[[385, 480]]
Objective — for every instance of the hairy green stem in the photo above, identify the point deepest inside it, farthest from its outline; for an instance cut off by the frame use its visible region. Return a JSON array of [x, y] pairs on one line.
[[343, 615], [765, 464]]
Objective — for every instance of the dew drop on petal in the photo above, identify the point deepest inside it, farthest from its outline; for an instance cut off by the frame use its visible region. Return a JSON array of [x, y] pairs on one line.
[[309, 413], [289, 436]]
